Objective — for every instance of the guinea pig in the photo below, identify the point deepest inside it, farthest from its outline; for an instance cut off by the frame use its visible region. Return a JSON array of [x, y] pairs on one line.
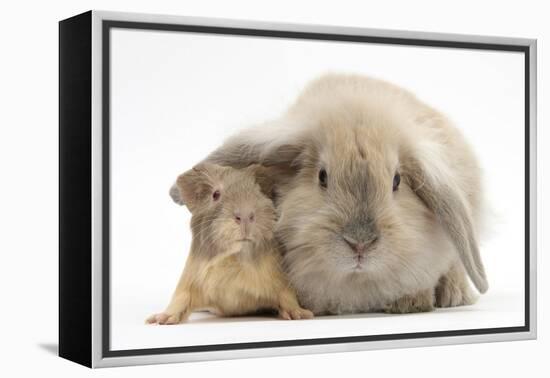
[[381, 200], [234, 266]]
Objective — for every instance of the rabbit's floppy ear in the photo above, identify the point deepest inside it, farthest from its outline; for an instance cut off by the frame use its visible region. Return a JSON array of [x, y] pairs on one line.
[[193, 186], [434, 186], [276, 143], [268, 178]]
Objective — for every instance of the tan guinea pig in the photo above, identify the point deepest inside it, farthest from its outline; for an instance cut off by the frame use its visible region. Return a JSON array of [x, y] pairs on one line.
[[234, 266]]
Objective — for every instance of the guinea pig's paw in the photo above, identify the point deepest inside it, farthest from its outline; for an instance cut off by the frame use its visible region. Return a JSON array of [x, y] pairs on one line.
[[164, 318], [295, 314], [422, 302]]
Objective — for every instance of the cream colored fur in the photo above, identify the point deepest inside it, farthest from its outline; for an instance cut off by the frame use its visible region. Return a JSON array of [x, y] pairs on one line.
[[363, 131]]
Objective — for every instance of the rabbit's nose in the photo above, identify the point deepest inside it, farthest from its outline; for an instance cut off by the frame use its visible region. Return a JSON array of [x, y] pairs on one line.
[[360, 247]]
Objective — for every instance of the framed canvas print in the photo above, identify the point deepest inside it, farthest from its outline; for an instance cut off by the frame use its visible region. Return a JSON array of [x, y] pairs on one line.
[[234, 189]]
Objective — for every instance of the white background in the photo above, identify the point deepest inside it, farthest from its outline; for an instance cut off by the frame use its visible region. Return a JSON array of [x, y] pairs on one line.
[[174, 98], [28, 149]]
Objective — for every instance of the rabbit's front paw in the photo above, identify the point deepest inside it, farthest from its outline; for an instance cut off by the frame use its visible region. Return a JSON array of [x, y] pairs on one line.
[[421, 302], [453, 289]]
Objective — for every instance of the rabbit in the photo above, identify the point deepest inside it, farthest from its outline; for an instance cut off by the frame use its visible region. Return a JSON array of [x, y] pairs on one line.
[[380, 202], [234, 266]]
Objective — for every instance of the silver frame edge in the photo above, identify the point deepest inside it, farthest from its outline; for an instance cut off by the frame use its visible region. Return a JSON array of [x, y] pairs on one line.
[[97, 358]]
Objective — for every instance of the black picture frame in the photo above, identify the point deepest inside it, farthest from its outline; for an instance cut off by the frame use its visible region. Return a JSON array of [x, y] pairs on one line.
[[76, 292]]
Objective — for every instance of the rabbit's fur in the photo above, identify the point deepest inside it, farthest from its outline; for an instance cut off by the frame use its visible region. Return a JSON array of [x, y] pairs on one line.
[[409, 246]]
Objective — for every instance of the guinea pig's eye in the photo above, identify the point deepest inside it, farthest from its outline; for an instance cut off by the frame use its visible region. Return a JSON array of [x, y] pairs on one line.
[[216, 195], [396, 181], [323, 178]]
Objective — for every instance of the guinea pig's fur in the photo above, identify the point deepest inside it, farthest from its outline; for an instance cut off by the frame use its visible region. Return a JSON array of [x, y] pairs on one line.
[[234, 266], [353, 240]]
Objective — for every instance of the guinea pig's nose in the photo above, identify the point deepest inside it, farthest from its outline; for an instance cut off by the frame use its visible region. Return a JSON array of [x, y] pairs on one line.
[[249, 217]]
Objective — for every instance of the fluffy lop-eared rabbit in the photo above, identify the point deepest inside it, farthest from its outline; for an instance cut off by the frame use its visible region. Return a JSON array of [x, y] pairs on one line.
[[379, 202], [234, 266]]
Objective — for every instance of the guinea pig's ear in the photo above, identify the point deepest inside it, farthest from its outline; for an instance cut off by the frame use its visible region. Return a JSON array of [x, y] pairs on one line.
[[194, 186], [449, 205]]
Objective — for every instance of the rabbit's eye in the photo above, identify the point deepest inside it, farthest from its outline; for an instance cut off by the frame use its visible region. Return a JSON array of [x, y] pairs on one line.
[[323, 178], [396, 181], [216, 195]]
